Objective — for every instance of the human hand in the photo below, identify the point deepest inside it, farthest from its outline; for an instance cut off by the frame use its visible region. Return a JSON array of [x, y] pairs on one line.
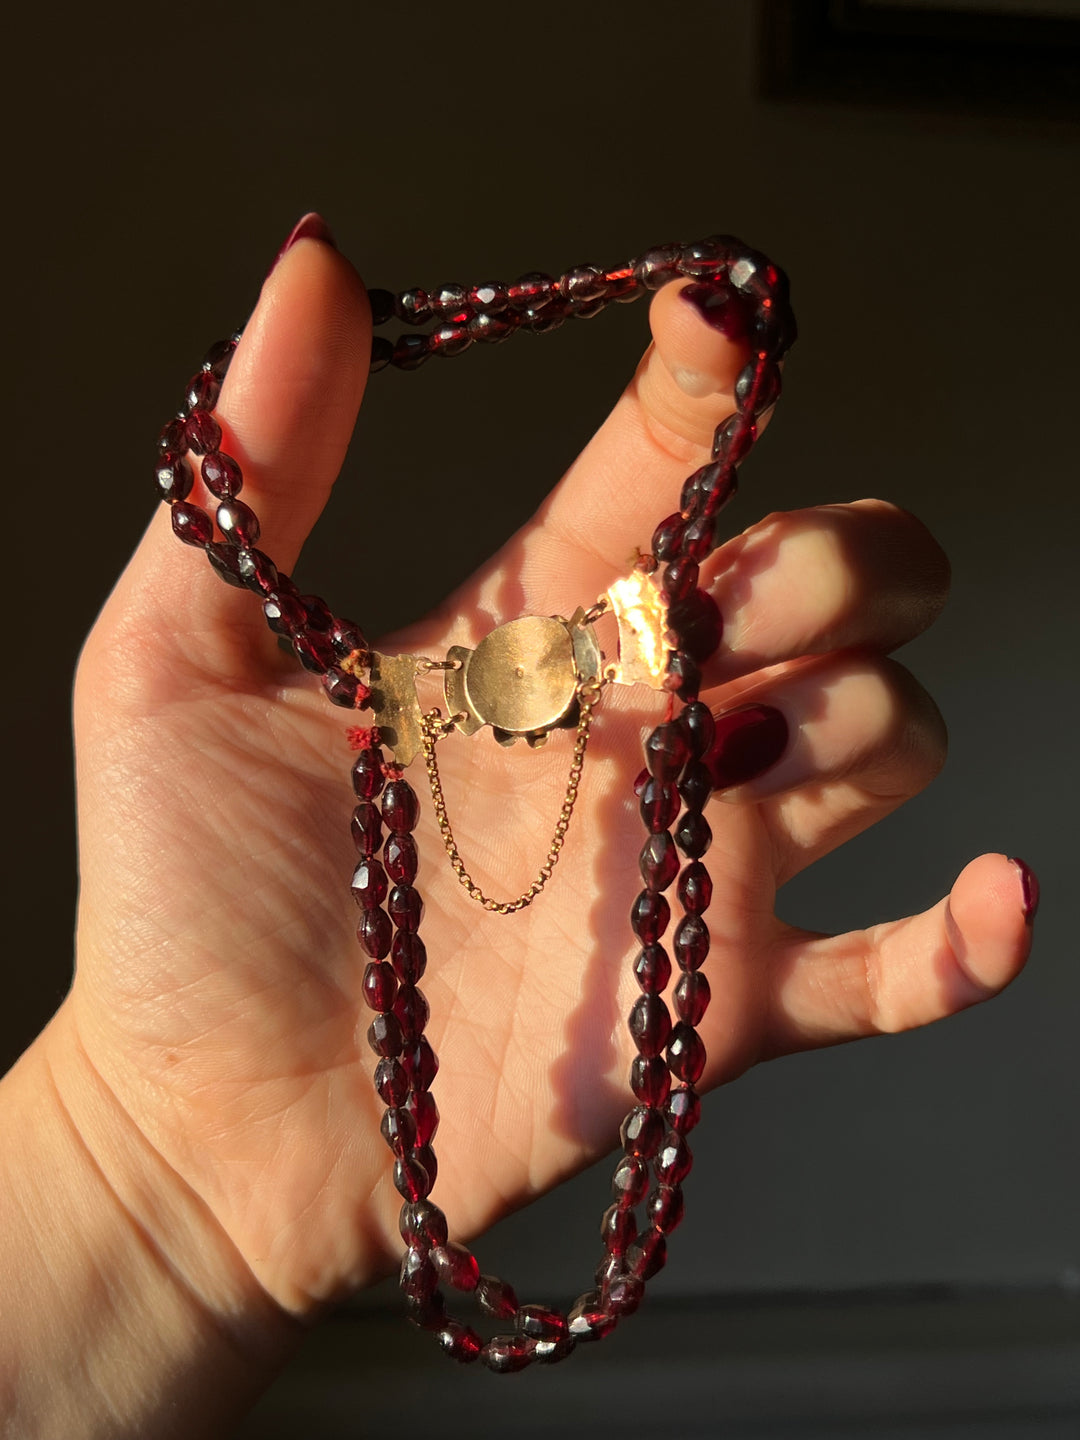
[[217, 1011]]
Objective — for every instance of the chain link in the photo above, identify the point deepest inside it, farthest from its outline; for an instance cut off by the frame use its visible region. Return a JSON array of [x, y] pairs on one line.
[[434, 727]]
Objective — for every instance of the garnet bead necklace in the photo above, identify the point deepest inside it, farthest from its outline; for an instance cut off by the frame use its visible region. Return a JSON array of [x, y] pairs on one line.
[[524, 680]]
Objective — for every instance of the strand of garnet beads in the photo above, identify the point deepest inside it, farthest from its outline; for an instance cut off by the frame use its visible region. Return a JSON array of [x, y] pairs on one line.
[[747, 298]]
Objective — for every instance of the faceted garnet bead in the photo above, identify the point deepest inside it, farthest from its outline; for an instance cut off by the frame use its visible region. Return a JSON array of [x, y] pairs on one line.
[[666, 751], [652, 969], [665, 1208], [650, 1079], [506, 1353], [400, 807], [384, 1035], [674, 1161], [496, 1298], [203, 390], [698, 624], [411, 1009], [683, 676], [366, 826], [398, 1129], [391, 1082], [541, 1322], [418, 1276], [697, 724], [667, 540], [649, 1024], [425, 1113], [284, 613], [400, 859], [404, 905], [408, 955], [221, 475], [695, 787], [693, 834], [173, 437], [379, 985], [191, 524], [375, 933], [683, 1109], [531, 291], [617, 1229], [692, 996], [342, 689], [695, 888], [421, 1064], [659, 861], [734, 439], [642, 1132], [456, 1265], [383, 305], [369, 883], [647, 1255], [630, 1182], [367, 774], [175, 477], [412, 1179], [657, 266], [686, 1053], [660, 803], [202, 432], [225, 559], [414, 307], [680, 579], [623, 1295], [461, 1342], [422, 1225], [649, 916], [588, 1320]]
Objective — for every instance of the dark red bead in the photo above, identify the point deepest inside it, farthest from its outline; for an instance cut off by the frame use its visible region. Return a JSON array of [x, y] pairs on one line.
[[649, 1024], [666, 751], [259, 572], [449, 340], [375, 933], [695, 888], [658, 860], [456, 1265], [650, 1079], [630, 1181], [667, 540], [693, 834], [379, 985], [314, 651], [683, 1109], [698, 624], [219, 357], [758, 387], [697, 724], [588, 1320], [369, 883], [461, 1342], [366, 827], [660, 804], [720, 490], [734, 439], [490, 329], [490, 298], [400, 859], [695, 787], [554, 313], [448, 300], [421, 1064], [411, 1178], [506, 1353], [426, 1156], [191, 524], [649, 916], [658, 266], [368, 776], [623, 1295], [429, 1314], [680, 579], [665, 1208], [422, 1225], [347, 638], [404, 905], [398, 1129], [531, 291], [341, 689], [384, 1035], [652, 969], [203, 390], [410, 352], [642, 1132], [319, 615], [617, 1229], [756, 275], [611, 1268], [202, 432], [400, 807], [175, 477], [391, 1082], [173, 436], [411, 1009], [284, 613], [225, 560], [698, 538], [674, 1161], [621, 285], [691, 942], [382, 353], [409, 957], [683, 676], [692, 996], [383, 305], [425, 1113], [541, 1322], [418, 1277], [496, 1298], [647, 1255], [707, 258], [221, 475], [686, 1053], [583, 284], [552, 1349], [641, 779], [414, 307]]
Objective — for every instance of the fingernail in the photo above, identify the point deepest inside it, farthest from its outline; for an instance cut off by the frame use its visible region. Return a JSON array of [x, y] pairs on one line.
[[1029, 888], [747, 742], [311, 226], [719, 306]]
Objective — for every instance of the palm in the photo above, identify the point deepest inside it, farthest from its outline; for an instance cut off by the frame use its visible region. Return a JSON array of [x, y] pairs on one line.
[[219, 978]]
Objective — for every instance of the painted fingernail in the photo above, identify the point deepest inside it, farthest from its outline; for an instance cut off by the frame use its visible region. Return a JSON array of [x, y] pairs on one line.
[[1029, 888], [311, 226], [719, 306], [747, 742]]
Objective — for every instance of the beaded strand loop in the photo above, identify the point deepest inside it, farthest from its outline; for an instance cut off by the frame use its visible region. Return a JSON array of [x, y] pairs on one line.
[[748, 300]]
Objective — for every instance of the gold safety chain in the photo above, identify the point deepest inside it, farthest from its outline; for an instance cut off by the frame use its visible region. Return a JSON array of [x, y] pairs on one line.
[[434, 727]]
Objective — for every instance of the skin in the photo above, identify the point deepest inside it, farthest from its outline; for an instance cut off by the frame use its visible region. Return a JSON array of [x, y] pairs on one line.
[[193, 1168]]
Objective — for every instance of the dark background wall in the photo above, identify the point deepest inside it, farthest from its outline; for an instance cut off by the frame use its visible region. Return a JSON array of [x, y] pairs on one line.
[[155, 158]]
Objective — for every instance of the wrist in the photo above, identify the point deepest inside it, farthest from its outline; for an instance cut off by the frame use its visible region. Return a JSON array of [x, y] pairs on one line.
[[128, 1295]]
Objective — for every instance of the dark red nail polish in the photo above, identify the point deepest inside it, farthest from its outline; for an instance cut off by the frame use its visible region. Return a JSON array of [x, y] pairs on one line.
[[720, 306], [1029, 888], [746, 743], [311, 226]]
